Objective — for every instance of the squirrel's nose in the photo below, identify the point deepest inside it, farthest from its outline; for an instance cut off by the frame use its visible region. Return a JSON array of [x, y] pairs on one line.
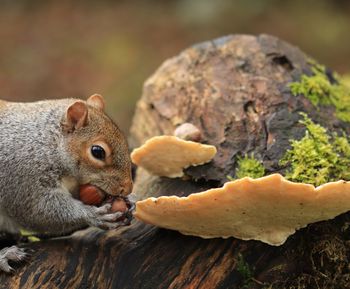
[[126, 188]]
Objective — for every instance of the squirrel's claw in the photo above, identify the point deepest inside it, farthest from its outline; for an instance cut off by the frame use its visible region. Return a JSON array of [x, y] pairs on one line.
[[112, 217], [128, 214], [103, 209], [11, 254], [108, 221], [15, 254], [130, 204], [4, 266], [112, 226], [105, 225]]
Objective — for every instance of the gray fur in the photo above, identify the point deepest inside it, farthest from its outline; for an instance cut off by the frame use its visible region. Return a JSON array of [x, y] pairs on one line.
[[11, 254], [37, 174], [33, 160]]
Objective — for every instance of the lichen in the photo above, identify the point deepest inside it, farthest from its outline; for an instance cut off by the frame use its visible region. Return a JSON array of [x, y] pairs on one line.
[[248, 166], [319, 157], [319, 89]]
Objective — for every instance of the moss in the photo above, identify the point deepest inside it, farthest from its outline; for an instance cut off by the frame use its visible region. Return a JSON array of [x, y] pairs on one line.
[[244, 270], [321, 91], [346, 80], [29, 236], [318, 157], [248, 166]]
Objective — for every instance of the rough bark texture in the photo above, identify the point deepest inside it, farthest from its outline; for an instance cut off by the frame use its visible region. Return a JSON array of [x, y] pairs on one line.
[[234, 90]]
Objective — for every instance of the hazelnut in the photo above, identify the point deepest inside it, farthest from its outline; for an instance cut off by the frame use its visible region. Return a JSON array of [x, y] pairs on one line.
[[119, 205], [90, 195]]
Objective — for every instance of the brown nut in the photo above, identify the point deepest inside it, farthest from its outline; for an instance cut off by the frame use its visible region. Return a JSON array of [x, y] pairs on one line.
[[119, 205], [90, 195]]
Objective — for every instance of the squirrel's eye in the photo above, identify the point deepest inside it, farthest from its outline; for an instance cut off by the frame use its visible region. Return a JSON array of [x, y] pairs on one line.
[[98, 152]]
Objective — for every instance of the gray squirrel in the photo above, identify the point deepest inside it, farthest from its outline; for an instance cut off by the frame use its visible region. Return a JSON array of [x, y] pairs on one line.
[[47, 150]]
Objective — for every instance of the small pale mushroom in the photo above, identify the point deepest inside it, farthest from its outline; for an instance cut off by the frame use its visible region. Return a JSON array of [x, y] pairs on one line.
[[188, 131], [269, 209], [168, 156]]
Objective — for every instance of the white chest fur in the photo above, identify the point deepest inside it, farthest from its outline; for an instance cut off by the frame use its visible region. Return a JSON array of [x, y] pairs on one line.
[[70, 185]]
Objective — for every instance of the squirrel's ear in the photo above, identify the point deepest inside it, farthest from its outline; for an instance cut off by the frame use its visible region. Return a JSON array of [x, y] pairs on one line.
[[96, 101], [76, 116]]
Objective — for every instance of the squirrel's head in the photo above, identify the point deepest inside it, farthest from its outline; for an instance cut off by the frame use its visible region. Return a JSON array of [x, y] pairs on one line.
[[98, 147]]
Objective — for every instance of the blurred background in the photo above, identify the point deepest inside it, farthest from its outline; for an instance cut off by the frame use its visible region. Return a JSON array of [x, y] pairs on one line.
[[55, 49]]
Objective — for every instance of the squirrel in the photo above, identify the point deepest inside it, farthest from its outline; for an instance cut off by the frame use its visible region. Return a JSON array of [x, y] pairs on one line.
[[47, 150]]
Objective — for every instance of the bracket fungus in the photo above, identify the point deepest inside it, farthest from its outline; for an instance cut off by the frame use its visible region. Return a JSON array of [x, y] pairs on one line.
[[167, 156], [269, 209]]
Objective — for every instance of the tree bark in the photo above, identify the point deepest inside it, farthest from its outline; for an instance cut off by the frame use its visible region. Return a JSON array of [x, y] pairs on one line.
[[235, 90]]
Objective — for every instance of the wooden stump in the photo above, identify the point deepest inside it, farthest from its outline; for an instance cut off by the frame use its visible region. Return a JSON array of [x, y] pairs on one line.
[[235, 90]]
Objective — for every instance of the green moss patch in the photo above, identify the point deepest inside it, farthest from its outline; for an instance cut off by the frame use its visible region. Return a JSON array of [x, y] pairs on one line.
[[248, 166], [245, 272], [320, 91], [346, 80], [319, 157]]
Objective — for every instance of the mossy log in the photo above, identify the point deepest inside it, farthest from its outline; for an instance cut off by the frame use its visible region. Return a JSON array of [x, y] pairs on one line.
[[235, 90]]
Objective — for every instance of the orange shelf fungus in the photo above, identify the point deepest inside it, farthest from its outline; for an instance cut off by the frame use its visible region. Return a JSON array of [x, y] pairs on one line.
[[269, 209], [167, 156]]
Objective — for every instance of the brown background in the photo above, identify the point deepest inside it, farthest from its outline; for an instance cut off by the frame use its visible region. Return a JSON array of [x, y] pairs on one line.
[[52, 49]]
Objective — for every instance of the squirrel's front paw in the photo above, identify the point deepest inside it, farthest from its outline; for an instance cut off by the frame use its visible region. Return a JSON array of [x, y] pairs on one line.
[[106, 220], [11, 254]]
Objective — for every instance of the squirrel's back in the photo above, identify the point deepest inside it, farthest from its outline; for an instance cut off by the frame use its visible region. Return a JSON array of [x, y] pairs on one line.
[[30, 140]]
